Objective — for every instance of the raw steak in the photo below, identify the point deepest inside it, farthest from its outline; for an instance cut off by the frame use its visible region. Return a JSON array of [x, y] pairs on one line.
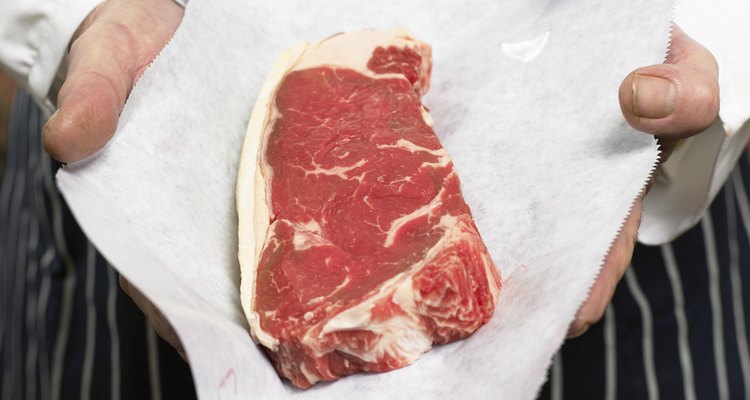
[[358, 251]]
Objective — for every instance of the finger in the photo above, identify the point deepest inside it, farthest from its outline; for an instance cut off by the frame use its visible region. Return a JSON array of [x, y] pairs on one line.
[[677, 99], [615, 265], [115, 46], [155, 317], [89, 103]]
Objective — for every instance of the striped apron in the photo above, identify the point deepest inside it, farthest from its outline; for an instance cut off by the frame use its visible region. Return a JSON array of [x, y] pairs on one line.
[[675, 329], [67, 331]]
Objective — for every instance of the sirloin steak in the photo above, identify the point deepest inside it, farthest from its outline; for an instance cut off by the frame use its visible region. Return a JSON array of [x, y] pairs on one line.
[[357, 249]]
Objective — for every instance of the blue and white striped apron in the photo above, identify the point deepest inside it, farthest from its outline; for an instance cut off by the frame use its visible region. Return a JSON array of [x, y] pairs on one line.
[[677, 325], [67, 331], [676, 328]]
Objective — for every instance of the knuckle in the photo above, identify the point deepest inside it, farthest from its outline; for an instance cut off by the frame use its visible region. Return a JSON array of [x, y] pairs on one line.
[[705, 103], [707, 94], [698, 103]]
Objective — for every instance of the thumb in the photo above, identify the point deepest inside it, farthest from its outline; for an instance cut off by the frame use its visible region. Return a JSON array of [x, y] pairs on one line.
[[677, 99], [115, 45], [90, 100]]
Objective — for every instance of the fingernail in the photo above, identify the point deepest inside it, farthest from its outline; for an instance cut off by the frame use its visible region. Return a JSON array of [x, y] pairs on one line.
[[653, 97]]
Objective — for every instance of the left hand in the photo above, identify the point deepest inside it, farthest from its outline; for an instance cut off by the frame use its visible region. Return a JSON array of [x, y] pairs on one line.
[[671, 101], [109, 52], [112, 47]]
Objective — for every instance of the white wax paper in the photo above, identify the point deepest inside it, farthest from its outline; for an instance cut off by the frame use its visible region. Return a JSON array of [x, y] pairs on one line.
[[524, 97]]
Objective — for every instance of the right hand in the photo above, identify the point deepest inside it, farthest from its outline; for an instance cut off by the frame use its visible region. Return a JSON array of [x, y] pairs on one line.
[[672, 101]]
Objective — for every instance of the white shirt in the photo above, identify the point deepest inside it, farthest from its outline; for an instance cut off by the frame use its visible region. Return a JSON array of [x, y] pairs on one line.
[[34, 37]]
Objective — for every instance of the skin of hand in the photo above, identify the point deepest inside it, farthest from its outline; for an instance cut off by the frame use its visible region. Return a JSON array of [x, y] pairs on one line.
[[671, 101], [110, 50], [161, 325], [120, 38]]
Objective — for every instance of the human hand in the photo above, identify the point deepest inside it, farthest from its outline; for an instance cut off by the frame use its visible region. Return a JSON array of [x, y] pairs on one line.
[[155, 318], [672, 101], [108, 53]]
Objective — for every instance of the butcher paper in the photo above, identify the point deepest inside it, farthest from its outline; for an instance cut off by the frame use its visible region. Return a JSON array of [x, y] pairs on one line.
[[524, 98]]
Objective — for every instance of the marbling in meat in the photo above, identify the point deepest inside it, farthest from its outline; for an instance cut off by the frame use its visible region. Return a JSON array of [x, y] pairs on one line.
[[367, 252]]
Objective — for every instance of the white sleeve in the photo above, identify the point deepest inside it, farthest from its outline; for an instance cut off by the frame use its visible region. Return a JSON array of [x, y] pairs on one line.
[[697, 169], [34, 38]]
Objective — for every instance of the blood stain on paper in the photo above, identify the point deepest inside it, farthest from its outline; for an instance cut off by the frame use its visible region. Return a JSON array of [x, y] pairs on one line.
[[224, 386]]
